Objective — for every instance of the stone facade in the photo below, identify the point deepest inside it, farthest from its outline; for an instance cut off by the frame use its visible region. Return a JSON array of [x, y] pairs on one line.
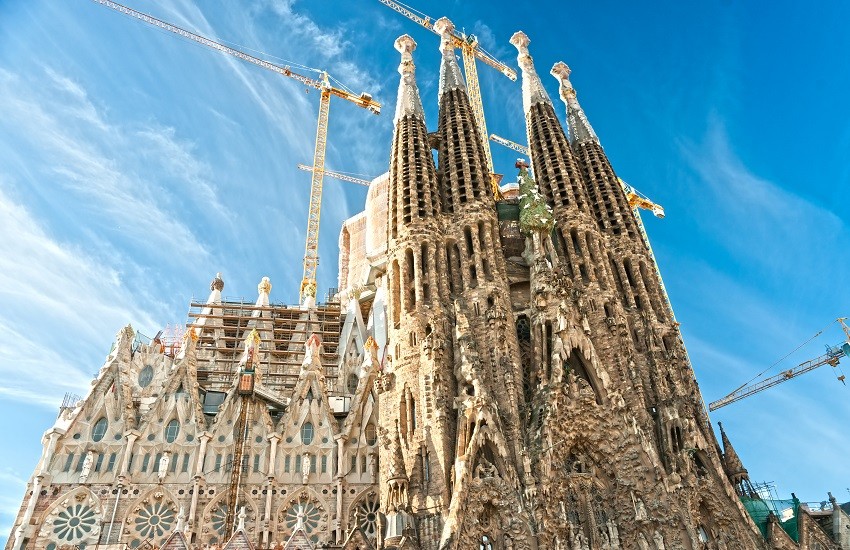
[[491, 377]]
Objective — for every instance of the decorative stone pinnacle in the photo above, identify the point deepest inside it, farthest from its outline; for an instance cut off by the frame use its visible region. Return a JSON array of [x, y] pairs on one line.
[[580, 129], [532, 89], [217, 283], [405, 44], [450, 76], [265, 286], [408, 94]]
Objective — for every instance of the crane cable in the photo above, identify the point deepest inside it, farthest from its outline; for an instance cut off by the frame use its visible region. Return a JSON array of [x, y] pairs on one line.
[[784, 357]]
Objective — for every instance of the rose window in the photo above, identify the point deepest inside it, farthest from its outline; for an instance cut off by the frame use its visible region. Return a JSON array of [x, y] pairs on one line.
[[367, 514], [74, 522], [154, 520], [218, 519], [307, 515]]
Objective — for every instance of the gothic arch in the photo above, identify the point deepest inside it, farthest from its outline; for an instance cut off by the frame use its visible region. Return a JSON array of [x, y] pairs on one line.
[[364, 512]]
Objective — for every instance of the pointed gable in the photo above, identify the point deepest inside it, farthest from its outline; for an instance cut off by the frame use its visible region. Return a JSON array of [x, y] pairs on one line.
[[298, 541], [177, 541], [357, 540], [239, 541]]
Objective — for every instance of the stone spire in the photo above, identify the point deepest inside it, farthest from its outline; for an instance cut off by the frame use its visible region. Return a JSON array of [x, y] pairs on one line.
[[450, 75], [735, 471], [532, 88], [579, 127], [409, 102], [557, 173]]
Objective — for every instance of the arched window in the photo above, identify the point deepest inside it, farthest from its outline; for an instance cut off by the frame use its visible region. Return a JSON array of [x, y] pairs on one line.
[[99, 429], [307, 433], [371, 434], [351, 383], [171, 430]]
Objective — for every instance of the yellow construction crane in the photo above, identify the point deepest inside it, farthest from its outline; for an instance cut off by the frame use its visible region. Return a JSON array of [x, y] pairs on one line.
[[832, 357], [311, 253], [470, 49], [337, 175]]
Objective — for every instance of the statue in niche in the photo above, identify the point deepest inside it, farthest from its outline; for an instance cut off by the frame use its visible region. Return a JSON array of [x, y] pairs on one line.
[[87, 462], [305, 468], [485, 469], [163, 465], [558, 356]]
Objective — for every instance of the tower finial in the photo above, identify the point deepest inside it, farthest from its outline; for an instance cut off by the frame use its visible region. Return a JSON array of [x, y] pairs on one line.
[[532, 89], [408, 94], [580, 129], [735, 470], [450, 76]]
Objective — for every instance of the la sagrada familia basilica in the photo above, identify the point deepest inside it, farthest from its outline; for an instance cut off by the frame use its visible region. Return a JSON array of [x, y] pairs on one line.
[[499, 375]]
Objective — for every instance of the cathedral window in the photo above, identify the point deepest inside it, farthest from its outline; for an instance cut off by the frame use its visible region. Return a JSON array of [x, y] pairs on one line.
[[80, 462], [146, 376], [99, 464], [146, 461], [351, 383], [217, 467], [426, 466], [312, 464], [171, 430], [371, 434], [154, 520], [368, 511], [185, 467], [228, 463], [172, 464], [68, 463], [353, 468], [74, 522], [363, 464], [676, 440], [156, 461], [307, 433], [703, 536], [486, 543], [111, 464], [308, 515], [286, 461], [324, 464], [99, 429], [298, 464], [256, 462]]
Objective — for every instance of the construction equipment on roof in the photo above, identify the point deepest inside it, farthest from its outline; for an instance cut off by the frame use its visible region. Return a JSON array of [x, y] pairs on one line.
[[337, 175], [322, 83], [471, 50], [832, 358]]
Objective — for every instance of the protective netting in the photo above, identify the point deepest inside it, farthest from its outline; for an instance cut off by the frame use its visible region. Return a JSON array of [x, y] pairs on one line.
[[785, 511]]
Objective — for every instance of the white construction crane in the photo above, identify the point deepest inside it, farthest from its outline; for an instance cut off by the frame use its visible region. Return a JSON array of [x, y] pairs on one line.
[[337, 175], [471, 50], [311, 252]]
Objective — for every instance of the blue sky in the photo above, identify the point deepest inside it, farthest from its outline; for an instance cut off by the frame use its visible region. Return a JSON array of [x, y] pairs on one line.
[[134, 165]]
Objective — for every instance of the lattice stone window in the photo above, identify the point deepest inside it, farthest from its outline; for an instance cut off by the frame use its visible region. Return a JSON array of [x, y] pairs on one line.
[[371, 434], [99, 429]]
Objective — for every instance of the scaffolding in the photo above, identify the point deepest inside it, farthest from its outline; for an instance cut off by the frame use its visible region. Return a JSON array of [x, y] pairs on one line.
[[221, 329]]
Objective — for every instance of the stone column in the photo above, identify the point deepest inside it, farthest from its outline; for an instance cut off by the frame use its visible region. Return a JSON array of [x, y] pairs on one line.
[[202, 452], [132, 436]]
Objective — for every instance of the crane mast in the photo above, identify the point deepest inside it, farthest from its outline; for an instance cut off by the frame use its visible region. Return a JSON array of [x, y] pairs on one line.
[[470, 50], [364, 100]]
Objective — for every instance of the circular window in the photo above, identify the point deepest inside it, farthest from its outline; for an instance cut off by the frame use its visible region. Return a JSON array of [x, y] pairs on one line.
[[367, 514], [146, 376], [219, 518], [171, 430], [307, 433], [371, 434], [74, 522], [309, 516], [99, 429], [154, 520]]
